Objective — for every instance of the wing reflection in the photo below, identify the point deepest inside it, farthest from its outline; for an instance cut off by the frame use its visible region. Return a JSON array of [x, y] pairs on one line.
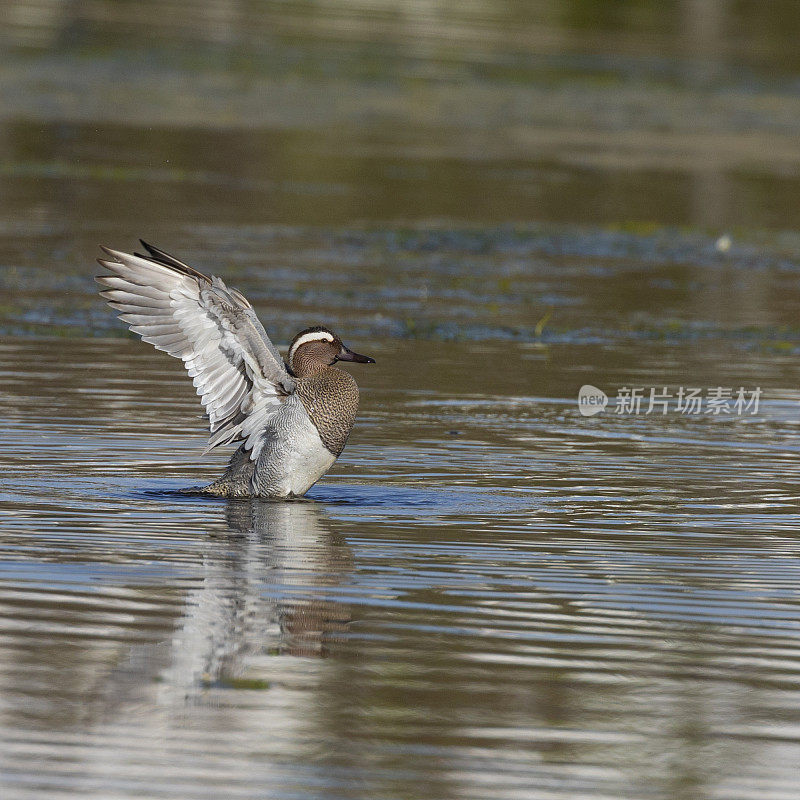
[[267, 592]]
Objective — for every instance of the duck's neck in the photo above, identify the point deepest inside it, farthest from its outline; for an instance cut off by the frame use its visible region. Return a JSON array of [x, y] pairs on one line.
[[308, 367]]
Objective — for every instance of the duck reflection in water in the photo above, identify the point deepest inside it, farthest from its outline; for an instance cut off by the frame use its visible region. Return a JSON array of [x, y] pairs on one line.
[[306, 560], [264, 595]]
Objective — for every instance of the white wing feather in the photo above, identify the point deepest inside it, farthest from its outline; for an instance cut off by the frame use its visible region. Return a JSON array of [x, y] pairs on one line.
[[238, 373]]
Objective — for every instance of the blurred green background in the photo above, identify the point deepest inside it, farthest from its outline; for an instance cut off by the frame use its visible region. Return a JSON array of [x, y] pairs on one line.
[[393, 145]]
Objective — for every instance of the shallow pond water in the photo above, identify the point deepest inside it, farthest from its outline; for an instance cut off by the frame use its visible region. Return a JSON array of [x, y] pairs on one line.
[[490, 595]]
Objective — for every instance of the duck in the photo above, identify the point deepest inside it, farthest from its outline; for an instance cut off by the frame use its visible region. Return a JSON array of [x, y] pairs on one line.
[[291, 419]]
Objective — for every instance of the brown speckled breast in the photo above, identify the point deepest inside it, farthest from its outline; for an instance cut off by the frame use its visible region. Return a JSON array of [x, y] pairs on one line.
[[330, 399]]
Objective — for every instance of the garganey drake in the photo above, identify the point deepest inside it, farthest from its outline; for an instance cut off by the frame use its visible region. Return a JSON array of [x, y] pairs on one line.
[[292, 418]]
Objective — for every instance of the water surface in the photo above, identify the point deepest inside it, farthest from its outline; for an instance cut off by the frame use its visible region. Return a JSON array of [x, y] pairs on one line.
[[489, 595]]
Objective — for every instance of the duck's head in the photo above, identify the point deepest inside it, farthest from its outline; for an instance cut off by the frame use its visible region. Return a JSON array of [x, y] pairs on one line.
[[317, 348]]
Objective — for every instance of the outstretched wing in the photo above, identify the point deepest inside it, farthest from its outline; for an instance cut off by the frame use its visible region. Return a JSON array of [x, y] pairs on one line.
[[238, 373]]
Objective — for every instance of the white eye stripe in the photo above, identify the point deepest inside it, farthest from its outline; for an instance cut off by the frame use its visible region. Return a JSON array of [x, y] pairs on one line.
[[314, 336]]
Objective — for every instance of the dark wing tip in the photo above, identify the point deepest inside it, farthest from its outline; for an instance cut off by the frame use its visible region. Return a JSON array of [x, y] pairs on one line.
[[166, 260]]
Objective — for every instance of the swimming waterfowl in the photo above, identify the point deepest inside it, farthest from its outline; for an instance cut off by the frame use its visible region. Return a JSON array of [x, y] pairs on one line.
[[292, 418]]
